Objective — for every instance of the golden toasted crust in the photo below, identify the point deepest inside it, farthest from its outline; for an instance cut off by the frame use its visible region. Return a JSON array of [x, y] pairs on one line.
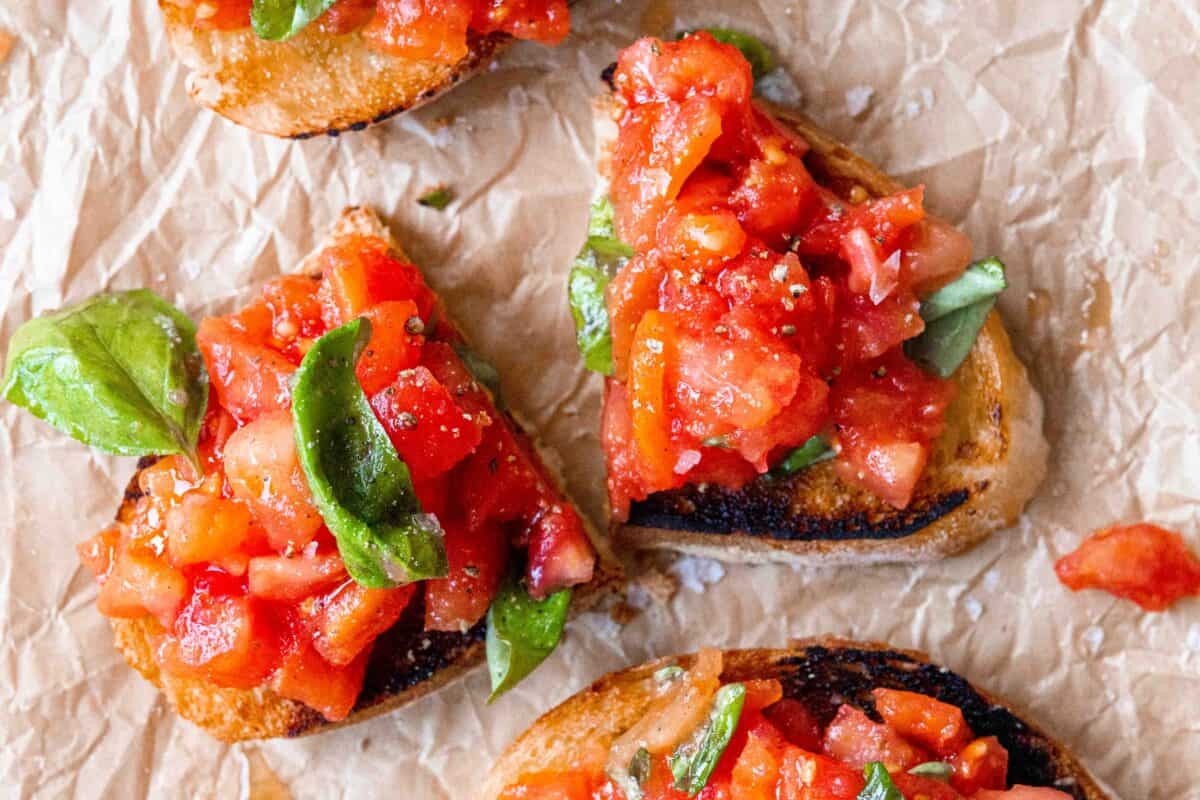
[[982, 471], [398, 671], [313, 83], [822, 673]]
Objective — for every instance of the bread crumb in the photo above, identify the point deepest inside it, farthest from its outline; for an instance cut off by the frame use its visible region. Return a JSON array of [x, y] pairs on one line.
[[7, 40], [857, 99], [623, 613]]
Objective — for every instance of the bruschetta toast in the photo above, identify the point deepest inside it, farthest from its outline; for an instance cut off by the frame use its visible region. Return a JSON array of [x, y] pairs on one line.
[[821, 718], [262, 597], [804, 481], [346, 69]]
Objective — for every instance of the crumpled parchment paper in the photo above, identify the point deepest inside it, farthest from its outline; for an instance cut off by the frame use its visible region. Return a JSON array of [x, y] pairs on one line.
[[1063, 136]]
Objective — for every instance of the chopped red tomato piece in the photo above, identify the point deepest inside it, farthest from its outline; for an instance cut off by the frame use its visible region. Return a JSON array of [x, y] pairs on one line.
[[223, 15], [477, 561], [934, 254], [632, 293], [624, 476], [982, 764], [796, 723], [430, 431], [854, 738], [573, 785], [139, 584], [884, 219], [653, 348], [205, 528], [346, 16], [264, 473], [560, 553], [352, 616], [393, 346], [305, 676], [434, 30], [292, 578], [775, 194], [935, 725], [651, 71], [918, 787], [222, 638], [295, 314], [808, 776], [1144, 563], [249, 378], [359, 272], [546, 21], [98, 552], [755, 775], [868, 330], [1022, 793], [499, 482]]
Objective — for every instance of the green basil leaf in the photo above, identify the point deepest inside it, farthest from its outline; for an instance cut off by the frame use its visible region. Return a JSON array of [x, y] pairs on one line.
[[668, 674], [437, 198], [937, 770], [879, 784], [983, 280], [814, 451], [602, 256], [585, 288], [521, 631], [120, 372], [693, 761], [757, 53], [277, 20], [361, 486], [954, 316]]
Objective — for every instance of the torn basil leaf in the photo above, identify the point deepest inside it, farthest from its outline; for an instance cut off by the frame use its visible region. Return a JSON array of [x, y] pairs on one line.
[[277, 20], [954, 316], [359, 483], [521, 631], [937, 770], [758, 54], [879, 784], [436, 199], [120, 372], [693, 762], [603, 254], [814, 451]]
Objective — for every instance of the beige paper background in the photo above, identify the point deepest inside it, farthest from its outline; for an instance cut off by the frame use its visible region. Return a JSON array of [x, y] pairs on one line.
[[1062, 136]]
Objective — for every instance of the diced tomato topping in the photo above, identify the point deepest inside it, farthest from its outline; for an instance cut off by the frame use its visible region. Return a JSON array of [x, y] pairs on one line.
[[346, 16], [796, 723], [99, 552], [249, 378], [421, 29], [760, 287], [430, 431], [1022, 793], [222, 638], [360, 272], [546, 21], [306, 676], [500, 482], [205, 528], [755, 776], [351, 616], [560, 553], [264, 473], [223, 15], [139, 584], [295, 314], [887, 412], [477, 561], [218, 426], [982, 764], [292, 578], [391, 348], [918, 787], [1144, 563], [934, 725], [854, 738], [573, 785], [808, 776]]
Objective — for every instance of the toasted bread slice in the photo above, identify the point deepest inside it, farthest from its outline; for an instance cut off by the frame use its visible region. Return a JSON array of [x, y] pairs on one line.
[[313, 83], [407, 661], [821, 673], [981, 473]]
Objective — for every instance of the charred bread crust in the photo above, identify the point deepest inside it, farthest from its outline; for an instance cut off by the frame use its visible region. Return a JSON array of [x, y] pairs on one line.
[[406, 661], [822, 673], [982, 471], [314, 83]]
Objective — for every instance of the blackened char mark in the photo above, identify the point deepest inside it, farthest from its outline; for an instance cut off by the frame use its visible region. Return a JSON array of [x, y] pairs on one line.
[[823, 679], [765, 510]]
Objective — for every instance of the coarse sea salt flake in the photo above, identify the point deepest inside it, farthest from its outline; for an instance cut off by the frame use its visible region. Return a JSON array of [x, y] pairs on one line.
[[695, 572]]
